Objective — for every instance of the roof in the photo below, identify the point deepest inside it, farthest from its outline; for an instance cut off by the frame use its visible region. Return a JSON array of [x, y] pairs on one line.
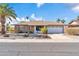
[[47, 23], [77, 22]]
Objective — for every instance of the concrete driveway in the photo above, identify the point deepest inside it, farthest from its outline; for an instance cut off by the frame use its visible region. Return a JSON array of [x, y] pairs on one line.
[[64, 38]]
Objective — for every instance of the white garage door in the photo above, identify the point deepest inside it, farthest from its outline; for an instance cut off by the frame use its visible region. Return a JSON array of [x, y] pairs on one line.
[[55, 30]]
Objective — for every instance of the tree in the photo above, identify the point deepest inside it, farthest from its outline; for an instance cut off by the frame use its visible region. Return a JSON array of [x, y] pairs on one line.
[[27, 17], [58, 20], [63, 21], [5, 12], [77, 17]]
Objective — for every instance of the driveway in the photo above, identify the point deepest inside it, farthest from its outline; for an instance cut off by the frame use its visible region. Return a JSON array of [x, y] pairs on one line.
[[64, 38]]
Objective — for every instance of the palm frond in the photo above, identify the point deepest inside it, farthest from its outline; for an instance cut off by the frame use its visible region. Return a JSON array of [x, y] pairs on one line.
[[13, 16], [10, 18], [11, 12], [4, 5]]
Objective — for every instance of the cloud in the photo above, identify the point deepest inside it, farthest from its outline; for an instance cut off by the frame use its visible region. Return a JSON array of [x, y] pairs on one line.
[[33, 16], [17, 20], [22, 19], [39, 19], [11, 22], [39, 4], [75, 8]]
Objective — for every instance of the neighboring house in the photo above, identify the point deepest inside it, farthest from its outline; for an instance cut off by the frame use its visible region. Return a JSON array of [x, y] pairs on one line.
[[72, 28], [74, 24], [34, 27]]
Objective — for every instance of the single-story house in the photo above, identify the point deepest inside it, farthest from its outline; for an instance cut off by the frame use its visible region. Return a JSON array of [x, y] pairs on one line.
[[74, 23], [34, 26], [73, 27]]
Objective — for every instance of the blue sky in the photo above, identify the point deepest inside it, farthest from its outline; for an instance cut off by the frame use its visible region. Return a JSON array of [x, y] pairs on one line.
[[46, 11]]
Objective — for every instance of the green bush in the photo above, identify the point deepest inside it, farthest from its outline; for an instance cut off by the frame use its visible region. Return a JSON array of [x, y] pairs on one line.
[[44, 30]]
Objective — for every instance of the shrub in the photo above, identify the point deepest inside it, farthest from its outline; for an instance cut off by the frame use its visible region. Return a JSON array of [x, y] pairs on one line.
[[44, 30], [72, 31], [30, 31], [10, 29]]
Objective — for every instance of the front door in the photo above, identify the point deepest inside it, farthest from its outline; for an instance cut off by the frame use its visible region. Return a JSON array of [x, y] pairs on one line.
[[38, 29]]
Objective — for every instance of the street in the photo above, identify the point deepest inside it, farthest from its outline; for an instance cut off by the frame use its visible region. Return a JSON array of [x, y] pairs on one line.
[[39, 49]]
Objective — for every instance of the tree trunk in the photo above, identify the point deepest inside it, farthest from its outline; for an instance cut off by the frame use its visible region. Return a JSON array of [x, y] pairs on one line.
[[3, 25]]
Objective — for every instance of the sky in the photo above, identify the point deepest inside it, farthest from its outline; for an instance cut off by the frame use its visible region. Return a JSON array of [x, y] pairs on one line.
[[46, 11]]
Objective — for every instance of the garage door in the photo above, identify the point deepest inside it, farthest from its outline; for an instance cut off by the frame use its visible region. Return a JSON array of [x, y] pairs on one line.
[[55, 30]]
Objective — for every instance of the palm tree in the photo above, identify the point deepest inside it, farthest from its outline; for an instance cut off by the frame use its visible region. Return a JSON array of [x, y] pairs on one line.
[[28, 26], [27, 17], [77, 17], [58, 20], [63, 21], [5, 12]]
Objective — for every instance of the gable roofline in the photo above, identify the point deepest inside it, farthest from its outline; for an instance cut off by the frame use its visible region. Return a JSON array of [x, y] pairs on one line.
[[47, 23]]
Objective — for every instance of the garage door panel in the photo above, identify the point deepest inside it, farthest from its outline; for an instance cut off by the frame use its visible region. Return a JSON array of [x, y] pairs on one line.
[[55, 30]]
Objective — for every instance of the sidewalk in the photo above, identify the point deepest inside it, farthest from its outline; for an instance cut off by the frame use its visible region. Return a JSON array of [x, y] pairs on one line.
[[54, 38], [39, 40]]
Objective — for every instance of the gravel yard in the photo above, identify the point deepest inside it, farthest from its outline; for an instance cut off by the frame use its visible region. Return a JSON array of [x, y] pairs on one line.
[[53, 38]]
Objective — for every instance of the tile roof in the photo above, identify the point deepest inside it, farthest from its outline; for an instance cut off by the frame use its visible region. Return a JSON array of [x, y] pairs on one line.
[[77, 22], [47, 23]]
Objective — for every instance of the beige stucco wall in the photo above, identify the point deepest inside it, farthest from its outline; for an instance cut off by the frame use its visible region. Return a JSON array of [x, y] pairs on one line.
[[65, 29], [75, 29]]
